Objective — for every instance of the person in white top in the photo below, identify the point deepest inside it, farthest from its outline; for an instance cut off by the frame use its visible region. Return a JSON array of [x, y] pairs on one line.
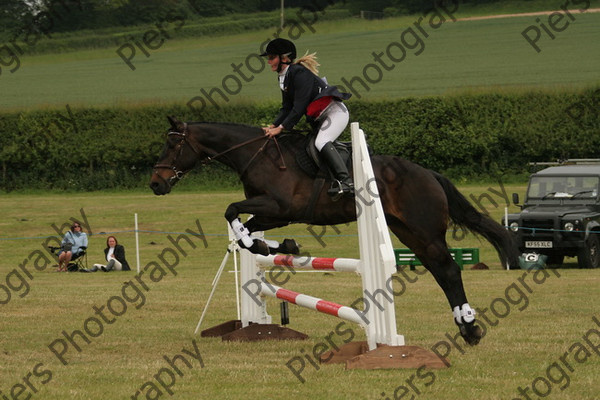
[[115, 257]]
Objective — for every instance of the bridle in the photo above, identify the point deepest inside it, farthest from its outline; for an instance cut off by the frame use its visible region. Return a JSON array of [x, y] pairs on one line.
[[186, 139]]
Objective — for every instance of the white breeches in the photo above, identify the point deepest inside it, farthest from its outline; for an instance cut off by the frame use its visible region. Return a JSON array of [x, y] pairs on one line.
[[334, 120]]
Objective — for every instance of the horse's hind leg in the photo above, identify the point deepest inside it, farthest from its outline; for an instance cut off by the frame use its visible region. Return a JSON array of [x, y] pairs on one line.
[[437, 259], [416, 209]]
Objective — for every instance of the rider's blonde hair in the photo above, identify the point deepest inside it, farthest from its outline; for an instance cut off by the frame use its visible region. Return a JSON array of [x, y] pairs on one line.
[[309, 61]]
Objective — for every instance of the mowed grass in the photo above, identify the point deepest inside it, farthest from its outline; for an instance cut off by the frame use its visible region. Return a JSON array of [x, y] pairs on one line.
[[538, 328], [444, 58]]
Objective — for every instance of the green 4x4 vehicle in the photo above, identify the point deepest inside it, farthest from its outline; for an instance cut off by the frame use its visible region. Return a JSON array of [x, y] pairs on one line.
[[560, 216]]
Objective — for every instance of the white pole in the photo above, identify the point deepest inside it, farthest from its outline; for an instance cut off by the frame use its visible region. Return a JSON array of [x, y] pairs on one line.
[[506, 225], [237, 284], [233, 248], [137, 243], [215, 282]]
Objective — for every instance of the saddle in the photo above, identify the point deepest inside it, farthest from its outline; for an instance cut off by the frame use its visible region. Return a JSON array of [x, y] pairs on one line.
[[309, 159]]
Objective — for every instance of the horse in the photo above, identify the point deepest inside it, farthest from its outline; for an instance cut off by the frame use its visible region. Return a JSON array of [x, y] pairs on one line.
[[418, 203]]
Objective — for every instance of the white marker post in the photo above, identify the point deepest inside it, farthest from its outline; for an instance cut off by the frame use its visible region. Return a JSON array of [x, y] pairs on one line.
[[137, 243]]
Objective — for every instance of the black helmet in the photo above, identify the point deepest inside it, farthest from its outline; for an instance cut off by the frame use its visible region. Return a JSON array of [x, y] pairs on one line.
[[279, 47]]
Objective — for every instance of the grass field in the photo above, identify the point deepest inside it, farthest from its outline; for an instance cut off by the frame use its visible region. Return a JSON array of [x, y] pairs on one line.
[[524, 348], [537, 344], [442, 58]]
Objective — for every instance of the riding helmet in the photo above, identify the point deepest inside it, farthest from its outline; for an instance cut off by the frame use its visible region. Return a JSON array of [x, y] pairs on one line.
[[279, 47]]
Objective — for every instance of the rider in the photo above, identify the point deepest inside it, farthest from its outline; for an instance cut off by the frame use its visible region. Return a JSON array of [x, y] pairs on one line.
[[304, 93]]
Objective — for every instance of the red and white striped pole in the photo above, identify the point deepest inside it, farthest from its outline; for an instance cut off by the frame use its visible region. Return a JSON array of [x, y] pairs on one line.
[[317, 263], [313, 303]]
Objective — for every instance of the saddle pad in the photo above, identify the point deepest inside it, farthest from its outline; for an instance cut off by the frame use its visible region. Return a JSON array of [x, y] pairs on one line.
[[309, 161], [306, 163]]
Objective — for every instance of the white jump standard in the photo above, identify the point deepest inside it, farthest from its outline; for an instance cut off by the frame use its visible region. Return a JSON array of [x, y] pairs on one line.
[[384, 347]]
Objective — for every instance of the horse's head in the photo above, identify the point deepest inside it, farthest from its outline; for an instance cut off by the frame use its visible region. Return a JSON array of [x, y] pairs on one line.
[[179, 155]]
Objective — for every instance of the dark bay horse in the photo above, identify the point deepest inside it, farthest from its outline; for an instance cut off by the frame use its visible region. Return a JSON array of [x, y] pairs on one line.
[[418, 203]]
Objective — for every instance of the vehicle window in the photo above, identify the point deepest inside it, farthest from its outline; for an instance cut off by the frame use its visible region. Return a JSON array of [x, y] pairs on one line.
[[561, 187]]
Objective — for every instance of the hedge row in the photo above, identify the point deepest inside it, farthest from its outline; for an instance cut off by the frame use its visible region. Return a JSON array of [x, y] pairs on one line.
[[178, 26], [481, 134]]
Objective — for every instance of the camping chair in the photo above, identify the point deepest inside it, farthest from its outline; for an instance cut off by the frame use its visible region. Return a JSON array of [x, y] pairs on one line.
[[78, 261]]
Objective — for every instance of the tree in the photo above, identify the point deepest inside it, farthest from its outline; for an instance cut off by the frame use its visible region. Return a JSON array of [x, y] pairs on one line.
[[13, 14]]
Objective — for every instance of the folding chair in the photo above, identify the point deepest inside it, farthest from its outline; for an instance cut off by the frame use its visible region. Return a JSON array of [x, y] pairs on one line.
[[78, 261]]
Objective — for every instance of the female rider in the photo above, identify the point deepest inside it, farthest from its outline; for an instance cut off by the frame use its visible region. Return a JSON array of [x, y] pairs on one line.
[[304, 93]]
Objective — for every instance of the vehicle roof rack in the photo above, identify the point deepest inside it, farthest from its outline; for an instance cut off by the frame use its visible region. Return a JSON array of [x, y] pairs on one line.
[[569, 161]]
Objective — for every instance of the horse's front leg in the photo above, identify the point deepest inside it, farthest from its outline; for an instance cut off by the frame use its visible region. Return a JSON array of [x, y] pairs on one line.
[[264, 209]]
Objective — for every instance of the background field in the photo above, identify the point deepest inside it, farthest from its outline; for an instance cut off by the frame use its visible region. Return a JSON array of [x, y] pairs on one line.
[[478, 56], [130, 351], [457, 56]]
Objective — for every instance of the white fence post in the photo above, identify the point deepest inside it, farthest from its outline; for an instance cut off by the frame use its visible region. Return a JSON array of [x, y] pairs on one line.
[[376, 251]]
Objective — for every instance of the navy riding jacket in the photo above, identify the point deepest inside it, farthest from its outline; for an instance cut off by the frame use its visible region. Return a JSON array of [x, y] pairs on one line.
[[300, 88]]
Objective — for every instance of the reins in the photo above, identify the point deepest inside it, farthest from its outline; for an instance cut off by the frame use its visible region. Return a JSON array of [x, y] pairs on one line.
[[178, 174], [282, 167], [237, 146]]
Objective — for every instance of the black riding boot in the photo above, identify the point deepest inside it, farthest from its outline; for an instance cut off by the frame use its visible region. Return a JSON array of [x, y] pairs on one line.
[[344, 184], [109, 266]]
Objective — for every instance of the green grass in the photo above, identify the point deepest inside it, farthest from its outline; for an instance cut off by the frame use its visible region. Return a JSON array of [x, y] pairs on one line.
[[474, 55], [458, 56], [129, 352]]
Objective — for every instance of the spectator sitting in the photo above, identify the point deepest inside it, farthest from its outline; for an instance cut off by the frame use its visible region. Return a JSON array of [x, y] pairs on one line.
[[72, 247], [115, 257]]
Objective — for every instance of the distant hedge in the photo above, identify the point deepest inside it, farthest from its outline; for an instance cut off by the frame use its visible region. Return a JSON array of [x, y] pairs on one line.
[[178, 26], [467, 135]]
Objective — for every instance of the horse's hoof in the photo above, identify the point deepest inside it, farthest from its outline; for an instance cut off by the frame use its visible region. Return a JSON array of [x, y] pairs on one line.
[[471, 333], [259, 247], [289, 246]]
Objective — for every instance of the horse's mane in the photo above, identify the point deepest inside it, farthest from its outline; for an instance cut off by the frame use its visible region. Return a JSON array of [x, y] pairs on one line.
[[223, 123], [286, 139]]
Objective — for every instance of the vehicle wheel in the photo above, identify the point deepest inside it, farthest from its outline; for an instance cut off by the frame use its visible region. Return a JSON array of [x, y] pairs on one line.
[[555, 260], [589, 256]]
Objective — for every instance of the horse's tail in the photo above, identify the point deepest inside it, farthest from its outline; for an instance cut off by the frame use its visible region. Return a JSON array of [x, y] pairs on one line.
[[465, 216]]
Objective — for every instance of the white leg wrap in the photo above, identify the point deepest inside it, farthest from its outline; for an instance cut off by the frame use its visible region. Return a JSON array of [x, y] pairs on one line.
[[456, 313], [467, 313], [464, 314], [271, 243], [241, 232]]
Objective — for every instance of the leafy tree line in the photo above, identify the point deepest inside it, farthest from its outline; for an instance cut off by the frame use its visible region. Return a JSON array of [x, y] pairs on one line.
[[74, 15], [470, 135]]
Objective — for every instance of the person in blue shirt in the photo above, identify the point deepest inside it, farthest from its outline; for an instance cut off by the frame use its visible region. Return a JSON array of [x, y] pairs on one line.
[[72, 247]]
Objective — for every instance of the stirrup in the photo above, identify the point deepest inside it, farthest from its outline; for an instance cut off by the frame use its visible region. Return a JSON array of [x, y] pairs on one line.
[[348, 187], [339, 189]]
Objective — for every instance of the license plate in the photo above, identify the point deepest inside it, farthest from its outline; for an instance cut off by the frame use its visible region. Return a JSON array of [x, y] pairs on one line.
[[539, 244]]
